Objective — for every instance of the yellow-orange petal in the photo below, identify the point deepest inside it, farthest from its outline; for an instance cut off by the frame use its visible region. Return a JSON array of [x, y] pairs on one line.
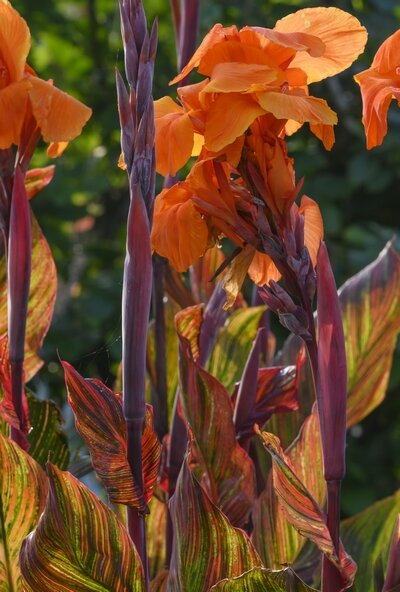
[[13, 103], [387, 58], [228, 117], [15, 41], [173, 138], [301, 108], [313, 226], [325, 133], [179, 232], [55, 149], [218, 33], [262, 269], [235, 275], [342, 34], [377, 92], [59, 116]]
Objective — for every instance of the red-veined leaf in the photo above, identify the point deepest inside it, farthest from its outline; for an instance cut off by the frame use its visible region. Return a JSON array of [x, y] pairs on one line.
[[274, 537], [233, 346], [100, 421], [302, 511], [264, 580], [156, 528], [46, 438], [208, 410], [159, 584], [370, 304], [42, 296], [38, 179], [367, 537], [207, 548], [23, 490], [79, 545]]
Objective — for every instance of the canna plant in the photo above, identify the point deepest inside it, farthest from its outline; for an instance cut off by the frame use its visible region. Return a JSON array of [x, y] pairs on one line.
[[206, 507]]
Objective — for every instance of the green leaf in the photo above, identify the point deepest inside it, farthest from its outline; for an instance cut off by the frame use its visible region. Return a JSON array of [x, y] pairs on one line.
[[79, 544], [208, 410], [302, 510], [23, 490], [207, 548], [274, 537], [367, 536], [46, 438], [264, 580], [370, 304], [100, 421], [233, 346]]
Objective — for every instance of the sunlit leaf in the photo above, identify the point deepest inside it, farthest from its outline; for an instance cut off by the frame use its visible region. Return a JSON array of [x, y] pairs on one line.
[[208, 410], [207, 548], [233, 346], [371, 319], [264, 580], [23, 490], [367, 536], [202, 271], [46, 438], [38, 179], [156, 528], [302, 510], [100, 421], [79, 544]]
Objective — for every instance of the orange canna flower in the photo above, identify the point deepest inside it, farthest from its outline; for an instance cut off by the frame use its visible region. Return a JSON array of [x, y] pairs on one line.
[[59, 116], [379, 85], [256, 71]]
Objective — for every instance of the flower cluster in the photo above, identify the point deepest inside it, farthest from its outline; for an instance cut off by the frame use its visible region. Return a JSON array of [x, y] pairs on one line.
[[242, 185]]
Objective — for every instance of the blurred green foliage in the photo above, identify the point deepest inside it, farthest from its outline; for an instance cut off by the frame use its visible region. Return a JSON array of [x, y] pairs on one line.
[[77, 43]]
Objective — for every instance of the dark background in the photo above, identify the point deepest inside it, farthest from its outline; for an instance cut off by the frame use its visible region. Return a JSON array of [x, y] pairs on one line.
[[77, 43]]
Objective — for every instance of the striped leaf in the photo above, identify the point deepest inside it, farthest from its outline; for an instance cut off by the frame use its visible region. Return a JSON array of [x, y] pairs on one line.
[[264, 580], [46, 438], [23, 490], [100, 421], [156, 528], [79, 545], [370, 304], [37, 179], [277, 541], [233, 346], [302, 511], [367, 536], [208, 410], [207, 548]]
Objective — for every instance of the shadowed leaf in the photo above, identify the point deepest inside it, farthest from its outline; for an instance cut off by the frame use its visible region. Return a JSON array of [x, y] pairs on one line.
[[99, 420], [233, 346], [23, 490], [370, 304], [208, 410], [302, 511], [392, 579], [367, 536], [264, 580], [46, 437], [79, 544], [207, 548]]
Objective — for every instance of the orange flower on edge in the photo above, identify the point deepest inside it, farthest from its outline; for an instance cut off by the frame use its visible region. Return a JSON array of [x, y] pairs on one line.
[[59, 116], [379, 85]]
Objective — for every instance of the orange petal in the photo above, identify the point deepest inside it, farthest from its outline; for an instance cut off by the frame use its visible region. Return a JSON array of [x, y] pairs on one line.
[[179, 232], [298, 41], [174, 136], [55, 149], [313, 226], [342, 34], [13, 103], [301, 108], [228, 118], [325, 133], [218, 33], [236, 77], [59, 116], [15, 41], [262, 269], [387, 58]]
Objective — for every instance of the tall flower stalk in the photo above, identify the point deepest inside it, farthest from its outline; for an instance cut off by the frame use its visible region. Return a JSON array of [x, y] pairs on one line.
[[135, 107]]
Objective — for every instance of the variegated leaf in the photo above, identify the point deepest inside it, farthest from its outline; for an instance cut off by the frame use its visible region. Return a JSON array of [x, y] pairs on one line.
[[207, 548], [23, 490], [100, 421], [79, 544], [264, 580], [156, 529]]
